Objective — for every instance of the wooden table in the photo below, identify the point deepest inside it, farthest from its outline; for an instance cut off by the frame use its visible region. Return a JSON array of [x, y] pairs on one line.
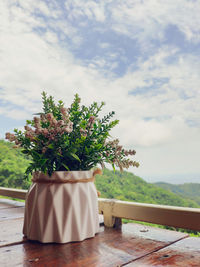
[[132, 245]]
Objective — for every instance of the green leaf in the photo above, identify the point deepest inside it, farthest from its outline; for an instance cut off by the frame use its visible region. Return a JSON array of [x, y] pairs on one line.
[[28, 121], [86, 150], [39, 113], [50, 146], [43, 161], [83, 138], [37, 155], [113, 167], [98, 146], [25, 151], [75, 156], [65, 166], [74, 150]]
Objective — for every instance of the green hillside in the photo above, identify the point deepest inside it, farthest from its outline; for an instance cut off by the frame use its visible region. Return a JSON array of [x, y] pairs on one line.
[[189, 190], [12, 166], [123, 186], [127, 186]]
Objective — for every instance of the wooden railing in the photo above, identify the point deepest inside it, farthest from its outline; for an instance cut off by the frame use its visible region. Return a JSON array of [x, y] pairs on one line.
[[114, 210]]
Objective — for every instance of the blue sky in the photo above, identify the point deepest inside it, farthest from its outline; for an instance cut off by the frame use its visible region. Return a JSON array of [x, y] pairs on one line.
[[140, 57]]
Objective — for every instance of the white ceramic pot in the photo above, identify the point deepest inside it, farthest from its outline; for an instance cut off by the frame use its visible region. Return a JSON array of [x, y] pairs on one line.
[[60, 209]]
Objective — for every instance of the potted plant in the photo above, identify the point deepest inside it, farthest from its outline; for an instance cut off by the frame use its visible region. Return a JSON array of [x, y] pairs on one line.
[[65, 145]]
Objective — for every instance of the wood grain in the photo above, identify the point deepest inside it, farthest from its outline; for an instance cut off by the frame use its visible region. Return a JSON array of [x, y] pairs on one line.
[[7, 203], [13, 192], [132, 245], [11, 232], [11, 213], [183, 253], [111, 247]]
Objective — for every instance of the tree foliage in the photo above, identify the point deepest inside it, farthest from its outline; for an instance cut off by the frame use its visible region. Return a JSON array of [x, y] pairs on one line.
[[128, 187], [189, 190], [12, 167]]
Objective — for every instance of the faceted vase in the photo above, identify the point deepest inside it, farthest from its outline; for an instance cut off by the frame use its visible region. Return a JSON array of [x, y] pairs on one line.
[[61, 208]]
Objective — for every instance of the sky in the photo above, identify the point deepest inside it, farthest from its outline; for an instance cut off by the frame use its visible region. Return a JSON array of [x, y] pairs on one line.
[[140, 57]]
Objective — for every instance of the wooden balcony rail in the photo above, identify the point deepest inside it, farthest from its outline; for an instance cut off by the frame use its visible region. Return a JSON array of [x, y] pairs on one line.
[[12, 192], [114, 210]]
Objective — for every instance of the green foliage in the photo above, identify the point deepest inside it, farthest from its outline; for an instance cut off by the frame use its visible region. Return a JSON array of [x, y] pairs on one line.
[[49, 106], [12, 167], [127, 186], [189, 190], [70, 139]]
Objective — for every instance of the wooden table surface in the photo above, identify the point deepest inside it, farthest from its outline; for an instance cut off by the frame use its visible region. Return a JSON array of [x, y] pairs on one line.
[[132, 245]]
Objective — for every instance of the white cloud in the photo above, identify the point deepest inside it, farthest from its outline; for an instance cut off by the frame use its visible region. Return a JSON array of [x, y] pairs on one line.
[[144, 133], [141, 20], [154, 120], [176, 96], [10, 112], [37, 6], [149, 19], [180, 156], [90, 9], [104, 45], [51, 37]]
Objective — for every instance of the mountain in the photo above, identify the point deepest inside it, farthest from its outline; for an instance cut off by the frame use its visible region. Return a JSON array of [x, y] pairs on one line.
[[178, 178], [12, 166], [127, 186], [189, 190], [123, 186]]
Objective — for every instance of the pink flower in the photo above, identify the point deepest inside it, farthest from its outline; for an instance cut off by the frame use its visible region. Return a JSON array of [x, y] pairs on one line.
[[49, 116], [11, 137], [44, 150], [36, 120], [42, 117], [8, 135], [45, 131], [37, 125], [63, 110], [91, 119], [17, 142], [67, 129], [60, 123], [27, 128], [38, 130], [83, 132], [119, 148], [53, 122]]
